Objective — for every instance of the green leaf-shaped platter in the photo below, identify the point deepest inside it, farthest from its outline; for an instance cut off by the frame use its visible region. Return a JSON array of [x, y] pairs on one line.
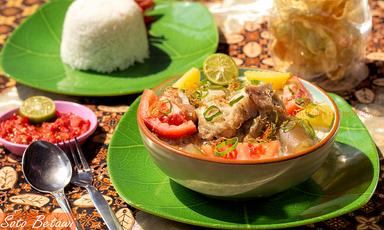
[[344, 183], [182, 36]]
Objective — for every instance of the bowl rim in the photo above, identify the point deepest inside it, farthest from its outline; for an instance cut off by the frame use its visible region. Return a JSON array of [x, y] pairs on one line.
[[335, 126], [92, 121]]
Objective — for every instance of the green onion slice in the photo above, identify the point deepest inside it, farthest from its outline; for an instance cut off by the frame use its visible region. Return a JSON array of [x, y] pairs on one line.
[[216, 87], [204, 81], [204, 93], [288, 125], [234, 101], [308, 128], [197, 94], [256, 82], [292, 87], [212, 112], [291, 90], [166, 106], [276, 116], [226, 146], [200, 94], [300, 101]]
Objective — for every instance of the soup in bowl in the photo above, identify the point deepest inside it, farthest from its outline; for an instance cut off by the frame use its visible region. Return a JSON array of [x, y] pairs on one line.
[[260, 134]]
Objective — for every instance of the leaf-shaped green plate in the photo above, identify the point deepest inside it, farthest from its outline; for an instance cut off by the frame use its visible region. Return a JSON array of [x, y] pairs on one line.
[[329, 193], [1, 58], [181, 37]]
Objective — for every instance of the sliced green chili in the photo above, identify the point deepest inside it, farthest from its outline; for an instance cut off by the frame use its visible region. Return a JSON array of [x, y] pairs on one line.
[[226, 146], [234, 101], [211, 112]]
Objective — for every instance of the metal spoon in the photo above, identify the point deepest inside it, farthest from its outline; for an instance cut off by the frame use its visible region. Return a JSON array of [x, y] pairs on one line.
[[47, 169]]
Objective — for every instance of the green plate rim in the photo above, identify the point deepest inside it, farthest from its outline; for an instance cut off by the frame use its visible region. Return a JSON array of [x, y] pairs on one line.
[[356, 204], [159, 3], [1, 61]]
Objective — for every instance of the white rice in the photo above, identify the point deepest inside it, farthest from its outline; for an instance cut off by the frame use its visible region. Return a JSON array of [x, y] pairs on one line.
[[103, 35]]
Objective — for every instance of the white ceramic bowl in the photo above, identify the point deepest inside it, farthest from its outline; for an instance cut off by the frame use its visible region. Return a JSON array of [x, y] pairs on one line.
[[240, 179]]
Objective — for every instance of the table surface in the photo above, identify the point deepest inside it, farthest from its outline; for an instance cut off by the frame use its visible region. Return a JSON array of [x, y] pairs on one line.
[[248, 46]]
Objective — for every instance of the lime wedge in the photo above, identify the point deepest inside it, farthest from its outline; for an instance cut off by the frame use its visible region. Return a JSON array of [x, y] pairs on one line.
[[277, 79], [189, 81], [220, 69], [38, 109]]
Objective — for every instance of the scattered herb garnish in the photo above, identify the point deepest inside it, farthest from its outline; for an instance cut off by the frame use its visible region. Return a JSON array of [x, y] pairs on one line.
[[226, 146], [211, 112], [234, 101]]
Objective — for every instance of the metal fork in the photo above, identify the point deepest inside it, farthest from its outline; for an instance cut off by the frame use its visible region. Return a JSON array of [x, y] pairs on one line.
[[83, 177]]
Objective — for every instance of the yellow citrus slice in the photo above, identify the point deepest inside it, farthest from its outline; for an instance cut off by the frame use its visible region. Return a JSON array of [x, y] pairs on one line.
[[277, 79], [38, 109], [189, 81], [220, 69]]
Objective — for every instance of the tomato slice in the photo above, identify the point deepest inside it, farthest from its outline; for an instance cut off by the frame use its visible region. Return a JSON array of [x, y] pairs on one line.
[[272, 149], [162, 129], [295, 96], [248, 151], [294, 89], [145, 4], [172, 125], [292, 107], [147, 99]]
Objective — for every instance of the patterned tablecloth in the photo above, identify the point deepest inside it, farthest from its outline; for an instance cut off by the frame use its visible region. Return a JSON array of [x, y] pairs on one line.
[[248, 46]]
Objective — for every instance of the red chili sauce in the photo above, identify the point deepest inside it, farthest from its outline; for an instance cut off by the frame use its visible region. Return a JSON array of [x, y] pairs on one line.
[[18, 129]]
